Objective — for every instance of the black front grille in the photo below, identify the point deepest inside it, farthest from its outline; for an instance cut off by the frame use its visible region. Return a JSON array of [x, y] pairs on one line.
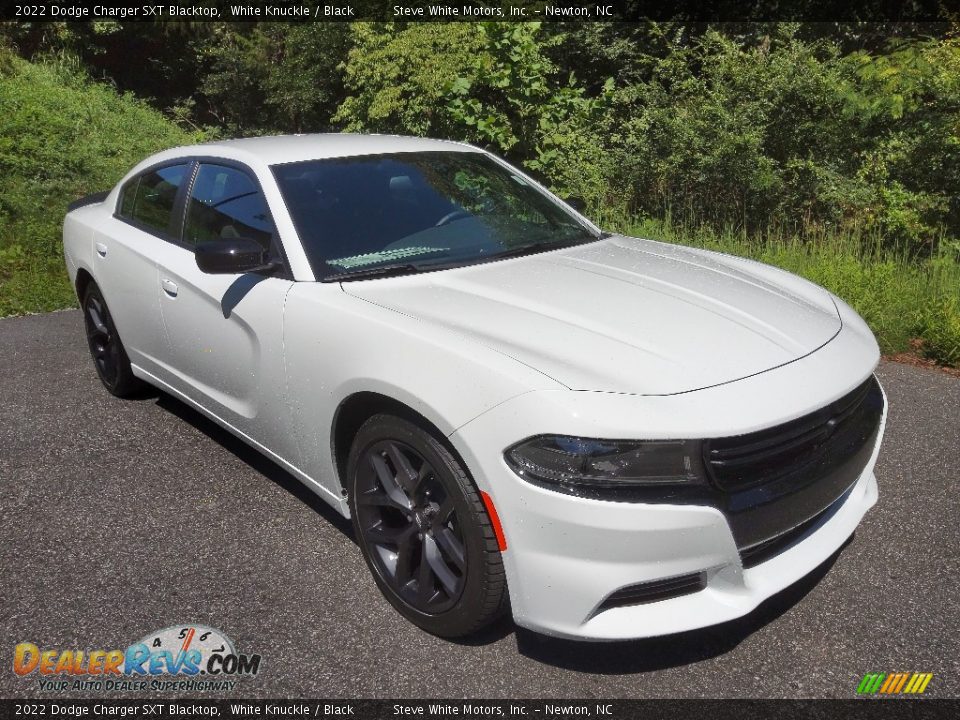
[[736, 463], [774, 480], [655, 591]]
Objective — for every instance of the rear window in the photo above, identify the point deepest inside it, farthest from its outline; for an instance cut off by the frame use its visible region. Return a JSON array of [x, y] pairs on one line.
[[153, 196]]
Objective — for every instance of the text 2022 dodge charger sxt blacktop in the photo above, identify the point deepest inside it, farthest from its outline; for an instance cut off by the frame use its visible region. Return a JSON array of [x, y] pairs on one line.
[[612, 437]]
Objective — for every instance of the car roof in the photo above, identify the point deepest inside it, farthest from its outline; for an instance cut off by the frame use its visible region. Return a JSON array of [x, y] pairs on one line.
[[278, 149]]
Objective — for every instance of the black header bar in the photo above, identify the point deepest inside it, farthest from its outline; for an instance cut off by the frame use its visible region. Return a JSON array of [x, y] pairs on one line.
[[561, 709], [692, 11]]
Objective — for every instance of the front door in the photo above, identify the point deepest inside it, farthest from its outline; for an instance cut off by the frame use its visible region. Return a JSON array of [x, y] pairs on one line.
[[225, 331]]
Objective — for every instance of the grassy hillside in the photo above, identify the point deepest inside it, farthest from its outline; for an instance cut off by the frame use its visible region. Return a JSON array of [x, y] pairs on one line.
[[61, 137]]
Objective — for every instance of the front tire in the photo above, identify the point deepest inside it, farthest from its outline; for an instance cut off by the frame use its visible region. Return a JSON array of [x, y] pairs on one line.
[[423, 529], [109, 356]]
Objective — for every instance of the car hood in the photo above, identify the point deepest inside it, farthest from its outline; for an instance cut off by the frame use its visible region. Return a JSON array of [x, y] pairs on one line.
[[622, 314]]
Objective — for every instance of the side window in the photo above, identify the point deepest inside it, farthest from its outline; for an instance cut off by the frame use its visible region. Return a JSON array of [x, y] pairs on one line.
[[226, 203], [155, 194], [127, 197]]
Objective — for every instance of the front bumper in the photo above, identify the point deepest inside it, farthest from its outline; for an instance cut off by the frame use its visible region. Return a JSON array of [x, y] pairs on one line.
[[566, 555], [557, 587]]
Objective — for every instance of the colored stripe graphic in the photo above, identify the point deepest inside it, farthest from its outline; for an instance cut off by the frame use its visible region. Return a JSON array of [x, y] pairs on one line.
[[894, 683], [900, 683], [927, 677], [871, 683], [891, 681]]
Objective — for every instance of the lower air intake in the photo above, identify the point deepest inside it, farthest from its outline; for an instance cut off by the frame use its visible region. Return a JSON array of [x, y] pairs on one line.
[[655, 591]]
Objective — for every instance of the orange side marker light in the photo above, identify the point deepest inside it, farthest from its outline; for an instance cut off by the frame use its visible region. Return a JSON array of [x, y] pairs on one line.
[[494, 520]]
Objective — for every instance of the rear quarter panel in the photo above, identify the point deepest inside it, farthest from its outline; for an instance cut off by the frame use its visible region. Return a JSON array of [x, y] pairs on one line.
[[78, 231]]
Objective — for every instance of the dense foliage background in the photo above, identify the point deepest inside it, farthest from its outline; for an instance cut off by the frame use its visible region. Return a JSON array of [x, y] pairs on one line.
[[828, 149]]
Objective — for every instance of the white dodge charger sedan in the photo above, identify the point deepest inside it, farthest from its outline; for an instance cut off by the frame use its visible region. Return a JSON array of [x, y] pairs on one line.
[[611, 437]]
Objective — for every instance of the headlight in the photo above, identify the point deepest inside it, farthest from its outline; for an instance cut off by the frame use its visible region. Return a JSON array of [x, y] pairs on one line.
[[564, 460]]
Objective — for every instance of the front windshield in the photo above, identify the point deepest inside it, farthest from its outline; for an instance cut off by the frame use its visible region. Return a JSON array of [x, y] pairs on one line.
[[418, 211]]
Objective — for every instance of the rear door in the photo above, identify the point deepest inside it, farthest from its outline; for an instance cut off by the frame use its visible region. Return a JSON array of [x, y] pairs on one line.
[[125, 252], [225, 331]]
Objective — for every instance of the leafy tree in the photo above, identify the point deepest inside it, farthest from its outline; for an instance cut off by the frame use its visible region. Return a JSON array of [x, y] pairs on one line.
[[398, 76], [488, 83], [791, 134], [516, 99], [273, 77], [908, 99]]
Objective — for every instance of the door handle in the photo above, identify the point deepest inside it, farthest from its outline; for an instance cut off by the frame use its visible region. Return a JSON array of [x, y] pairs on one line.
[[169, 287], [101, 249]]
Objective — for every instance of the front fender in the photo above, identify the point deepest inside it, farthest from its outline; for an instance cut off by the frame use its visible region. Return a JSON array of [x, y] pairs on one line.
[[336, 345]]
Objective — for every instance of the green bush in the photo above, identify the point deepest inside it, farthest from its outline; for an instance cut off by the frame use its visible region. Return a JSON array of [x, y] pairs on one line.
[[61, 137], [939, 327], [397, 77], [762, 131], [792, 136], [515, 99]]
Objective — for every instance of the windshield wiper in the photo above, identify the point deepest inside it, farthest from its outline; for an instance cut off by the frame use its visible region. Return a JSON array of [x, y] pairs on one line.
[[395, 269], [391, 270]]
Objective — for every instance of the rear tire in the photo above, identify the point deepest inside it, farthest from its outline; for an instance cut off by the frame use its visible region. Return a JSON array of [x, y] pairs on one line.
[[109, 356], [423, 529]]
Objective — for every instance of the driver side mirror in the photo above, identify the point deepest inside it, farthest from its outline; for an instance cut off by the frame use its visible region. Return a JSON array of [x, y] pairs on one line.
[[577, 203], [233, 256]]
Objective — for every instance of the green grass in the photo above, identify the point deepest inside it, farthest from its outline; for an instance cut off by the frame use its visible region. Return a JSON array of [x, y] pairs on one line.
[[61, 137], [900, 297], [32, 282]]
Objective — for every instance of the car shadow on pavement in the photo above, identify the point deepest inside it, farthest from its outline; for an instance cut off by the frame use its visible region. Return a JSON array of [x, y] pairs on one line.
[[255, 459], [660, 653]]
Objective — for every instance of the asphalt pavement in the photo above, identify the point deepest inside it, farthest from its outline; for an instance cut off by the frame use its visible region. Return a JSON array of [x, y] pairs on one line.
[[118, 518]]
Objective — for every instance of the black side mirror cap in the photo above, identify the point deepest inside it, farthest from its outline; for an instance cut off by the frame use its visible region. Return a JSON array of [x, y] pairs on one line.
[[577, 203], [233, 256]]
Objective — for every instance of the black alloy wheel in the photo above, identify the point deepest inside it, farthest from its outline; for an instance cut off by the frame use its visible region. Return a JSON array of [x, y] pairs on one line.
[[109, 356], [410, 524], [423, 528]]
